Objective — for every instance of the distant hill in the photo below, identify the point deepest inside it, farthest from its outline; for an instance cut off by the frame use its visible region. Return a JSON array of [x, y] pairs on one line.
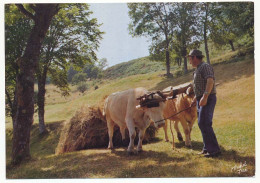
[[138, 66]]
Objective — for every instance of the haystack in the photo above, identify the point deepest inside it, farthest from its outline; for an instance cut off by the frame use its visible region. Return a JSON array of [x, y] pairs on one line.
[[88, 129]]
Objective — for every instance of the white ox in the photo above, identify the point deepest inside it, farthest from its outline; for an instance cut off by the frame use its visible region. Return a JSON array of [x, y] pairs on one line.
[[123, 109]]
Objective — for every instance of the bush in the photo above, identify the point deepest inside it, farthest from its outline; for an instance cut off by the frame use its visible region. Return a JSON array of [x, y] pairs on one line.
[[82, 87], [178, 73], [79, 77]]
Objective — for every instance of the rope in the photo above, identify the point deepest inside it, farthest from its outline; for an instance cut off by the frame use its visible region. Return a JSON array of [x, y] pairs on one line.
[[175, 113]]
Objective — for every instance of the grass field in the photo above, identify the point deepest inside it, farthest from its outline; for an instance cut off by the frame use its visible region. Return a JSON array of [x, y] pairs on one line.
[[234, 125]]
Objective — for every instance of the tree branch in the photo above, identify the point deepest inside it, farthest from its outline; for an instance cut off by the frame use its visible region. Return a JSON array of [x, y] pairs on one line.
[[24, 11], [33, 7]]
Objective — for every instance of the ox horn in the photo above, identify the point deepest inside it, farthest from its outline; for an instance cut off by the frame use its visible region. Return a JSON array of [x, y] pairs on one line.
[[138, 106]]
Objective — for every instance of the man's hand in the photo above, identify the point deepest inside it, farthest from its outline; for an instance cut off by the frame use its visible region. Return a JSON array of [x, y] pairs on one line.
[[203, 100]]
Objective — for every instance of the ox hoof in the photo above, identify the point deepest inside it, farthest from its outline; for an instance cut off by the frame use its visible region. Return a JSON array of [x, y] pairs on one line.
[[166, 140], [179, 136], [139, 150], [189, 146], [111, 148], [130, 153]]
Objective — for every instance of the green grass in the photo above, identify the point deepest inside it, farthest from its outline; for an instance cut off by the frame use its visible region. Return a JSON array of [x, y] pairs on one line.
[[138, 66], [234, 125]]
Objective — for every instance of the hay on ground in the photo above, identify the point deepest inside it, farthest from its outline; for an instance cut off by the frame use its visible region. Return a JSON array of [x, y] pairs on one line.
[[88, 129]]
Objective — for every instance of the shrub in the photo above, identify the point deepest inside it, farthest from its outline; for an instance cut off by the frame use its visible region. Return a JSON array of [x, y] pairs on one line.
[[82, 87], [79, 77]]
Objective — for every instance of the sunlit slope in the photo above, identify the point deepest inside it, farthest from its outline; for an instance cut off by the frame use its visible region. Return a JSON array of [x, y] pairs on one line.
[[236, 82]]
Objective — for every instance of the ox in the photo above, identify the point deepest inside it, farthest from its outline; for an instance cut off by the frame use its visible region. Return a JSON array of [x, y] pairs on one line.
[[124, 109], [187, 117], [136, 108]]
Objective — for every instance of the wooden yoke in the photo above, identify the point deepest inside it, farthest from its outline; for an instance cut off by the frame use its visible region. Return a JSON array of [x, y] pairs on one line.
[[148, 100], [173, 91]]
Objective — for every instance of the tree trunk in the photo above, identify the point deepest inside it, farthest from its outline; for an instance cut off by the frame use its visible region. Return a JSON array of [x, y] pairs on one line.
[[25, 80], [232, 45], [41, 100], [207, 50], [168, 63], [14, 106], [168, 71], [185, 65], [184, 54], [205, 35]]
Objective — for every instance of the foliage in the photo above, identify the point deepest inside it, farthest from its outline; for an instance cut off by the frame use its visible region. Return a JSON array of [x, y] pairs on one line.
[[82, 86], [231, 21], [102, 63], [59, 79], [92, 71], [79, 77], [153, 20], [17, 30], [72, 40]]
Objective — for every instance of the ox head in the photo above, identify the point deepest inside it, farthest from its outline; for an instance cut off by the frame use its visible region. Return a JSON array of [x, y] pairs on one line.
[[152, 104]]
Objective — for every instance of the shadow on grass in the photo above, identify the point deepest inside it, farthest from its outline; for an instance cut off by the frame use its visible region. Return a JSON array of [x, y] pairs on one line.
[[226, 155]]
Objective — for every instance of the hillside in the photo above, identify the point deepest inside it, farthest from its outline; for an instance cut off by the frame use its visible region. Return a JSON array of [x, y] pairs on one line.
[[137, 66], [234, 124]]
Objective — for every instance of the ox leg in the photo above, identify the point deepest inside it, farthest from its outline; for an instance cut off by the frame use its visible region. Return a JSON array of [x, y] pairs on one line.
[[176, 127], [122, 131], [186, 132], [140, 142], [173, 143], [132, 134], [190, 128], [165, 131], [191, 125], [110, 126]]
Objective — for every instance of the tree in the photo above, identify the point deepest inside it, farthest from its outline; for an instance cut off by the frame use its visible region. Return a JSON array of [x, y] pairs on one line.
[[79, 77], [102, 63], [205, 10], [186, 30], [231, 21], [153, 20], [41, 14], [72, 39], [17, 31], [82, 87], [222, 31]]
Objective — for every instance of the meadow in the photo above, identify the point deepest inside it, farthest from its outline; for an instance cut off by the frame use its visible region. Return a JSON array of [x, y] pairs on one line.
[[234, 125]]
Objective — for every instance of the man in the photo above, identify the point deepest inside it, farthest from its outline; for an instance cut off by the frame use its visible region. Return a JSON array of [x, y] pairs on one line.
[[205, 96]]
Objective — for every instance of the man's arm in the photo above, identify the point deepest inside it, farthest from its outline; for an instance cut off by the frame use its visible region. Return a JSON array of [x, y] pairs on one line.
[[209, 86]]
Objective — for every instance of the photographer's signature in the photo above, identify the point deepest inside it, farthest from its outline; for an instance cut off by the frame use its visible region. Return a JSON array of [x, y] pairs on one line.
[[241, 168]]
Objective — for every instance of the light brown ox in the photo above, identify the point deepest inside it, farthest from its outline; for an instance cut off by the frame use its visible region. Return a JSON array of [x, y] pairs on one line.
[[187, 117]]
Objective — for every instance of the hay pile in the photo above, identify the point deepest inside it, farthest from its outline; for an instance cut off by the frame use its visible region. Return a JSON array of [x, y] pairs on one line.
[[88, 129]]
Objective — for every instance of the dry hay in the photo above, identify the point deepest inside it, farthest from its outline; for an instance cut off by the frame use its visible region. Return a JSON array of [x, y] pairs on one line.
[[88, 129]]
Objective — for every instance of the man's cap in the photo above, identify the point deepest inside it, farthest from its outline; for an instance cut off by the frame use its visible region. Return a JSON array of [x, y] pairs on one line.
[[195, 53]]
